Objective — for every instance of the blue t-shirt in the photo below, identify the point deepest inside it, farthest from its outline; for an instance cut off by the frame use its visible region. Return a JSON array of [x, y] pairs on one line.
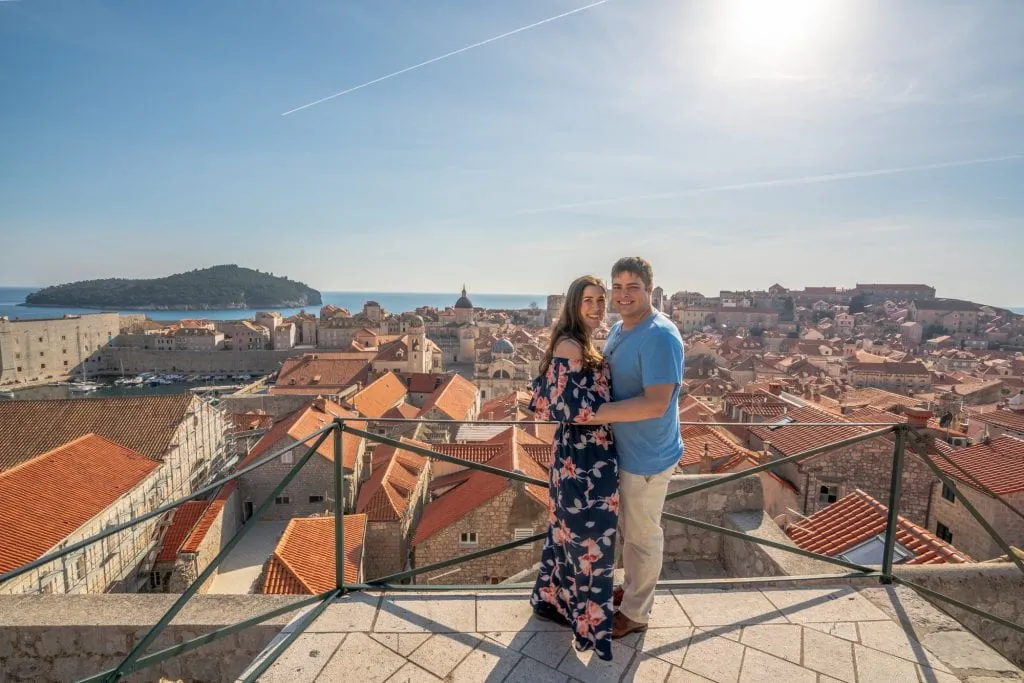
[[648, 354]]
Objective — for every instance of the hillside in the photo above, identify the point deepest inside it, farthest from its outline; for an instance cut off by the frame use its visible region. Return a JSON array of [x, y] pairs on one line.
[[226, 286]]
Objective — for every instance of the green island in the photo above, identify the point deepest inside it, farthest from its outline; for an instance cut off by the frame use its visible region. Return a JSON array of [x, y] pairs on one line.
[[226, 286]]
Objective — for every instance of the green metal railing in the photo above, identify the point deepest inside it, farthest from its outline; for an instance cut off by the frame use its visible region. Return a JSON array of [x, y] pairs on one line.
[[904, 436]]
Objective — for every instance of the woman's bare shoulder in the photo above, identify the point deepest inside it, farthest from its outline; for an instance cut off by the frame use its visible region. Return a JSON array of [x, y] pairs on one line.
[[568, 348]]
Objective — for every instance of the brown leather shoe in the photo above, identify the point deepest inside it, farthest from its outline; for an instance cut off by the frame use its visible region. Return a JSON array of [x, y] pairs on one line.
[[617, 594], [623, 626]]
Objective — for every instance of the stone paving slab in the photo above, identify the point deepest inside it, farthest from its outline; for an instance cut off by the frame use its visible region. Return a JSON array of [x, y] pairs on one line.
[[818, 635]]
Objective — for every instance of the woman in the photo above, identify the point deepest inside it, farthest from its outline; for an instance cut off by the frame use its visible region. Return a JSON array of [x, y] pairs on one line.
[[575, 581]]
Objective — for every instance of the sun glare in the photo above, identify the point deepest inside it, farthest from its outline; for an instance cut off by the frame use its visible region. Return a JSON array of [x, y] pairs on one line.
[[770, 37]]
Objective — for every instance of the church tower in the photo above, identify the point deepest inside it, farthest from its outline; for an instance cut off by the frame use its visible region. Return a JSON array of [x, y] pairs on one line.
[[463, 308], [419, 354]]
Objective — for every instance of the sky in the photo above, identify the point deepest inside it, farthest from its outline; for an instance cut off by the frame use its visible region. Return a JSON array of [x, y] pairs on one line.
[[734, 143]]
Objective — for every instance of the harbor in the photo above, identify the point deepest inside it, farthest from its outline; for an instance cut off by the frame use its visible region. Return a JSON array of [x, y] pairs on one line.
[[145, 384]]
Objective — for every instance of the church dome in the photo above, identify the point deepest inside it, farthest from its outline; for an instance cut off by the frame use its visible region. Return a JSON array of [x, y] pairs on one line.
[[463, 301], [503, 346], [415, 321]]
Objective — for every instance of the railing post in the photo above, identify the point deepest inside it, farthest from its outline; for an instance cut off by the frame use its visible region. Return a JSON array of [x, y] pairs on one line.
[[894, 497], [339, 506]]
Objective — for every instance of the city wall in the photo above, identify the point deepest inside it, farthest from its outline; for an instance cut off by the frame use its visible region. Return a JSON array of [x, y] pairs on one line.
[[134, 360]]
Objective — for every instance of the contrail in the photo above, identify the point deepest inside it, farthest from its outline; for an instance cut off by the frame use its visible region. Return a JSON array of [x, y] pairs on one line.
[[781, 182], [445, 56]]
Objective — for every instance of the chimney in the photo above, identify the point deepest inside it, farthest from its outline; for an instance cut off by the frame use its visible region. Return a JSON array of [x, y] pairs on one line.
[[766, 452], [775, 388], [704, 467], [320, 403], [917, 417]]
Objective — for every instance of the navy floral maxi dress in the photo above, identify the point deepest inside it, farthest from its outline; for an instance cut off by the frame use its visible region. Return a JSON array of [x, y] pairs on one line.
[[575, 579]]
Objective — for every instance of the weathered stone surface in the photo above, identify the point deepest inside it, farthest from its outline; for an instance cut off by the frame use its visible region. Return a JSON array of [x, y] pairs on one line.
[[713, 607], [962, 650], [713, 657], [873, 665], [780, 640], [759, 667]]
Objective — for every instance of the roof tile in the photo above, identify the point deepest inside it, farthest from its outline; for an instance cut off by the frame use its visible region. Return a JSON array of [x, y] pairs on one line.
[[304, 561]]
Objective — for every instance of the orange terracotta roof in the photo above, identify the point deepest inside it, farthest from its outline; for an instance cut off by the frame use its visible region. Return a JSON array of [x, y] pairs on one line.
[[183, 519], [304, 422], [455, 398], [46, 499], [506, 407], [543, 453], [692, 410], [199, 531], [856, 518], [386, 495], [303, 562], [790, 440], [760, 403], [1007, 419], [379, 396], [321, 372], [403, 410], [396, 350], [250, 421], [474, 452], [998, 465], [479, 488], [144, 424], [722, 450]]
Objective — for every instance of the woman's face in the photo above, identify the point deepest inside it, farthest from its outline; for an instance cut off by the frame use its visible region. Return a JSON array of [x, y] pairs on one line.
[[592, 307]]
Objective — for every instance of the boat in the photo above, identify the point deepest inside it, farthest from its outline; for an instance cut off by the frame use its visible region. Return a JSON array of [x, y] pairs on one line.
[[84, 387], [6, 394]]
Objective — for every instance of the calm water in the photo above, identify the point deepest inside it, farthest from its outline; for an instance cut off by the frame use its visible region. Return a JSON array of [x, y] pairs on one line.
[[394, 302], [55, 392]]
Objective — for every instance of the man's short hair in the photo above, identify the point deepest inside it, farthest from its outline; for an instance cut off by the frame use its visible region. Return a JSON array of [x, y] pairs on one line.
[[635, 265]]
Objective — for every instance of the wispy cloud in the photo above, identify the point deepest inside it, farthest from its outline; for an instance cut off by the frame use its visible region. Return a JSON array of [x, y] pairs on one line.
[[779, 182], [445, 56]]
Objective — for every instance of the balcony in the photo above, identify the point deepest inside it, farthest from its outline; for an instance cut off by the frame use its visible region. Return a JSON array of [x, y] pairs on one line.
[[737, 602]]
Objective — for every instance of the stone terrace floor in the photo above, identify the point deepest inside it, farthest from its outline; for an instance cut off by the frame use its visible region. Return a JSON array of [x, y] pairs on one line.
[[816, 635]]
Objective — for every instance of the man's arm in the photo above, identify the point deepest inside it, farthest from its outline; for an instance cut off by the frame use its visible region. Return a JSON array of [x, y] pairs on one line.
[[654, 402]]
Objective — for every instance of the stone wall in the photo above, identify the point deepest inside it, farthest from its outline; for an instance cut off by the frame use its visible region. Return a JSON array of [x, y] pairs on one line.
[[685, 542], [276, 405], [494, 523], [34, 352], [314, 479], [868, 466], [137, 360], [383, 550], [968, 535], [64, 638], [996, 588]]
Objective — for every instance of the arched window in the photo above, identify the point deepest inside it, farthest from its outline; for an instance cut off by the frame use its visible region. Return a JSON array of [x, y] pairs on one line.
[[501, 374]]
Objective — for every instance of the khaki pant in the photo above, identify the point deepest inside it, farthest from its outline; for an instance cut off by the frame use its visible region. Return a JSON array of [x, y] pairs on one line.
[[641, 500]]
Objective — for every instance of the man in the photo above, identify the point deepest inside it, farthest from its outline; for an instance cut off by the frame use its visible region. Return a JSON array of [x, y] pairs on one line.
[[645, 354]]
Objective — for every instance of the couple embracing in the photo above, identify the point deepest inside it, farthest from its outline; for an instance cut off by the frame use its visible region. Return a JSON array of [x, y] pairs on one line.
[[616, 446]]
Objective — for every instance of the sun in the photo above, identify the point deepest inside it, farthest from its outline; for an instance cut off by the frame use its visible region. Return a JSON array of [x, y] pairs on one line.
[[770, 37]]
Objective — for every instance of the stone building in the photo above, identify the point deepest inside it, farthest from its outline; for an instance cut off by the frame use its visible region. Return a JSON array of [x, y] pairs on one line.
[[219, 522], [900, 377], [455, 400], [554, 308], [55, 349], [324, 374], [825, 478], [392, 500], [480, 510], [67, 495], [998, 465], [456, 334], [311, 491], [503, 368], [876, 294], [956, 316], [337, 327], [305, 328]]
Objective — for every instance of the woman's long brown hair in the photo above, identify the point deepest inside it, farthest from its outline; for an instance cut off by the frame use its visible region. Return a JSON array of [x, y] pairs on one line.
[[570, 325]]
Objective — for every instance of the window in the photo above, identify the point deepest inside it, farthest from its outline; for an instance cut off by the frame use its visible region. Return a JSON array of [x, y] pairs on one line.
[[520, 534], [827, 495], [19, 369], [155, 580], [468, 538], [282, 500], [42, 354], [48, 588], [943, 532], [948, 494], [17, 355], [42, 366], [287, 458], [872, 551], [40, 339], [316, 499], [65, 363], [63, 337], [80, 567]]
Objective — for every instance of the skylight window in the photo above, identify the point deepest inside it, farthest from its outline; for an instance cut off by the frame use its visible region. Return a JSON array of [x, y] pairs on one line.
[[871, 552]]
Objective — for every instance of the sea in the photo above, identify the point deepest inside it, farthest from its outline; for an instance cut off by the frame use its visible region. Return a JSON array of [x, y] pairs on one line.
[[12, 300]]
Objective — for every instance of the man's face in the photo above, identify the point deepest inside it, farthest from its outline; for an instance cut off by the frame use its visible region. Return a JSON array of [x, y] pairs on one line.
[[630, 296]]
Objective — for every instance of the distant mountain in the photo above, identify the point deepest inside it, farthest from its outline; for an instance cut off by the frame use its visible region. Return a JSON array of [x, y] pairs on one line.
[[218, 287]]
